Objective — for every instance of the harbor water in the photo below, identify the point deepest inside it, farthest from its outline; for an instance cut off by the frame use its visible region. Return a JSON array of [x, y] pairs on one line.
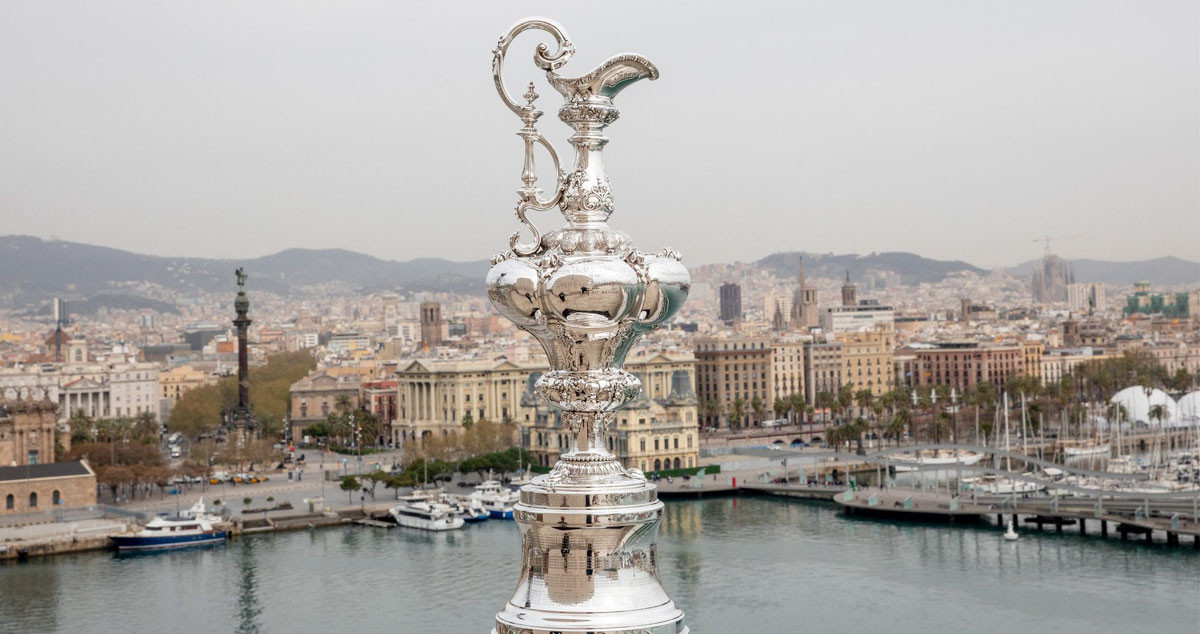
[[734, 564]]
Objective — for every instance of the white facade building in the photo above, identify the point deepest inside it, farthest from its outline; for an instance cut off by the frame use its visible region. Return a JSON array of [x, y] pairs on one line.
[[866, 315], [99, 390]]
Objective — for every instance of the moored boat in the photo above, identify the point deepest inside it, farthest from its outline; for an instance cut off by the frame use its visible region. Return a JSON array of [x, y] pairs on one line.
[[926, 460], [420, 512], [470, 510], [193, 527], [497, 500], [1088, 450]]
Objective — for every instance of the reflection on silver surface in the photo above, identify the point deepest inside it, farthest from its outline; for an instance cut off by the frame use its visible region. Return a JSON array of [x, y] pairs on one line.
[[588, 528]]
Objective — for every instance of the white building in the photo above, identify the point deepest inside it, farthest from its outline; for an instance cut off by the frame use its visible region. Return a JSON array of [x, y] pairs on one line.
[[99, 390], [345, 342], [866, 315]]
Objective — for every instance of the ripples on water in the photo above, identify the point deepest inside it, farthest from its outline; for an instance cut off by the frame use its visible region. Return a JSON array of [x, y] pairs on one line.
[[735, 564]]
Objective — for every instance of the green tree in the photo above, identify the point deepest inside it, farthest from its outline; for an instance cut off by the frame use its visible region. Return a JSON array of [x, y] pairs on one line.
[[371, 480], [83, 428], [145, 426], [899, 423], [798, 405], [398, 481], [759, 408], [713, 409], [826, 402], [467, 421], [739, 410], [781, 406], [350, 484], [197, 412]]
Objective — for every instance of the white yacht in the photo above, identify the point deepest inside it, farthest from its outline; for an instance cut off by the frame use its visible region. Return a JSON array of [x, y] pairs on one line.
[[496, 499], [419, 512]]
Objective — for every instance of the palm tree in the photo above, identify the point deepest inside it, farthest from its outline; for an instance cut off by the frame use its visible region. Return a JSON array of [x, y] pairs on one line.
[[865, 399], [857, 429], [900, 421], [712, 410], [1157, 412], [845, 399], [759, 408], [798, 405], [368, 427], [825, 401], [739, 409], [939, 425], [781, 407]]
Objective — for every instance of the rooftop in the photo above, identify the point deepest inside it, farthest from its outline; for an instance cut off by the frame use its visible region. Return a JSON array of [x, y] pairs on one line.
[[48, 470]]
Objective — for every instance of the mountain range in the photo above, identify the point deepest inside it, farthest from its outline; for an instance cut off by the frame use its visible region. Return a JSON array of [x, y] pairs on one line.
[[33, 270], [1168, 270], [912, 268]]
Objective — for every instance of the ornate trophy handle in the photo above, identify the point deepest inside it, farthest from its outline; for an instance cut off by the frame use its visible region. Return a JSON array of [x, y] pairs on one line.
[[545, 61], [530, 195]]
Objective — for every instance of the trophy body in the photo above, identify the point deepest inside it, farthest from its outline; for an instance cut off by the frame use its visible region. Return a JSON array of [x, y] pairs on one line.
[[588, 528]]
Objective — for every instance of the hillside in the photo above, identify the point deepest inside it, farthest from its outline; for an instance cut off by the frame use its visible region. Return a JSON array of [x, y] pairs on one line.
[[1167, 271], [33, 269], [912, 268]]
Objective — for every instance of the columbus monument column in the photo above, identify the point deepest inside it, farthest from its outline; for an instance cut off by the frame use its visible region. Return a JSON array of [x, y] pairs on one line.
[[242, 412], [588, 528]]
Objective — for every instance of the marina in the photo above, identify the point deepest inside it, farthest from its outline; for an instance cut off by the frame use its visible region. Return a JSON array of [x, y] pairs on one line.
[[735, 560]]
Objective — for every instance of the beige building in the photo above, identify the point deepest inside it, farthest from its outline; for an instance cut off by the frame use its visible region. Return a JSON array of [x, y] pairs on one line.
[[658, 431], [1056, 363], [27, 432], [179, 380], [1031, 355], [867, 357], [787, 370], [44, 487], [434, 395], [730, 369], [1176, 356], [316, 396], [823, 369]]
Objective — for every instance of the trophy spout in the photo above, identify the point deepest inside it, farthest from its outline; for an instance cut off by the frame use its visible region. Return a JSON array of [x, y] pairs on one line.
[[608, 79]]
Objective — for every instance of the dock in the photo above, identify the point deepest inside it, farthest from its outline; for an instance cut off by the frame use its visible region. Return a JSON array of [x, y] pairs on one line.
[[1174, 518], [375, 523], [804, 491]]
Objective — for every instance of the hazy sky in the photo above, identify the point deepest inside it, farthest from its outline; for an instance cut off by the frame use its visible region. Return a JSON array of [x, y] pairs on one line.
[[956, 129]]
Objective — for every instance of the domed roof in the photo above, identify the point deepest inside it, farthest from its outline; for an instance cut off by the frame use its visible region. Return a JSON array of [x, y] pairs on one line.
[[1137, 404], [1188, 408]]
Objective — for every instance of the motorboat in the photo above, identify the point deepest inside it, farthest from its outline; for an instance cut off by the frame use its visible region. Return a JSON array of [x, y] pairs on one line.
[[425, 514], [496, 499], [469, 509], [193, 527]]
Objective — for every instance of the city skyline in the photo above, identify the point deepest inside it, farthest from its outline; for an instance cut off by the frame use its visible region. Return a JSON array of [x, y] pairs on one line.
[[919, 128]]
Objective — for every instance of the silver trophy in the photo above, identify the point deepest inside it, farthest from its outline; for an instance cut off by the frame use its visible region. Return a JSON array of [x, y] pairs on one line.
[[588, 527]]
